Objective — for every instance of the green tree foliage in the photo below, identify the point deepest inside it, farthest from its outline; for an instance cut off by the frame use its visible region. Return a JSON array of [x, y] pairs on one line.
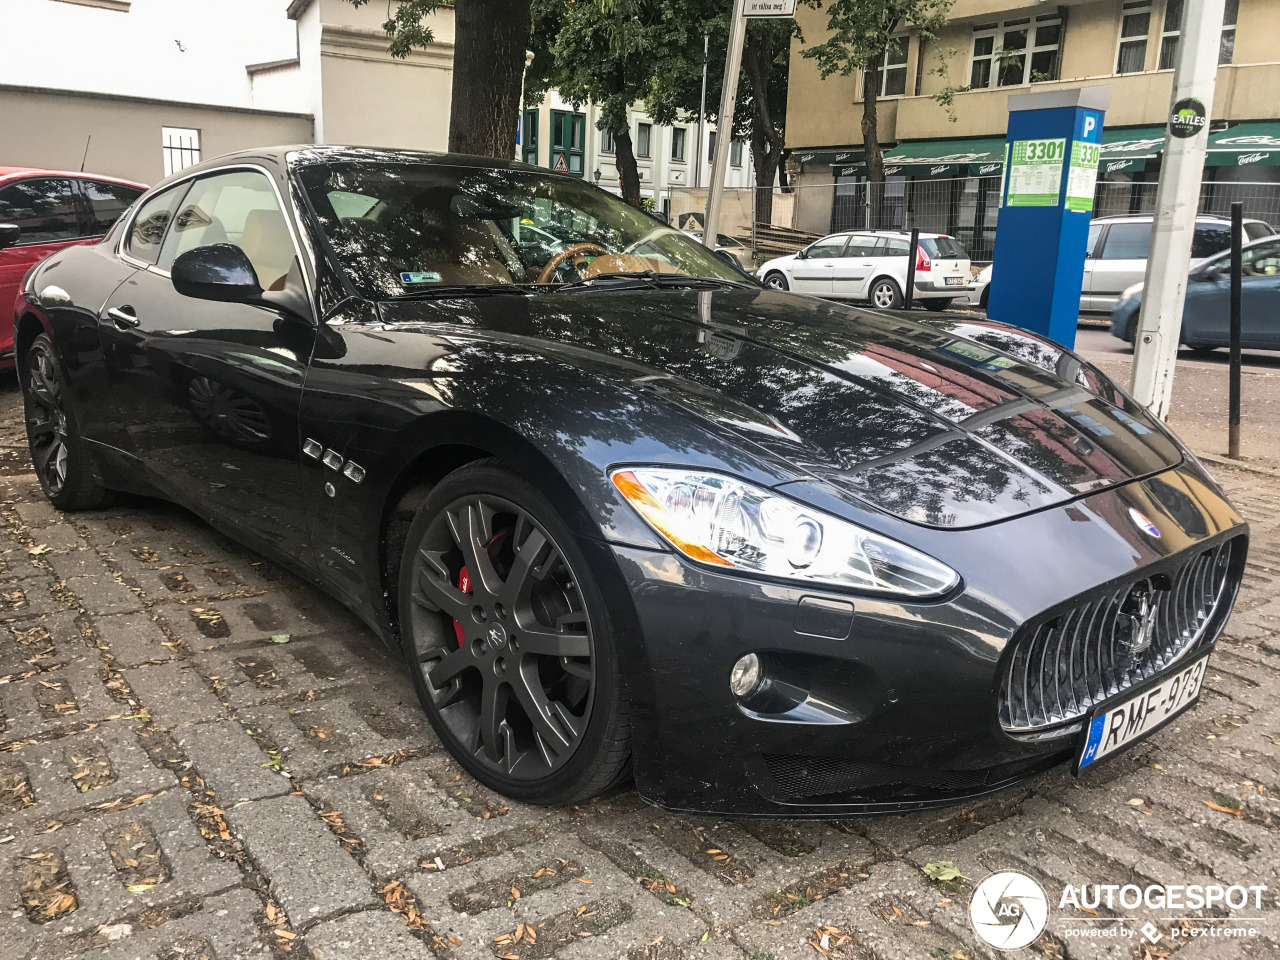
[[860, 33], [610, 52]]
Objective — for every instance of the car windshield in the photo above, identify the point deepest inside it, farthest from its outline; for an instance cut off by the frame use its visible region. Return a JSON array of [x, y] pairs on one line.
[[402, 228]]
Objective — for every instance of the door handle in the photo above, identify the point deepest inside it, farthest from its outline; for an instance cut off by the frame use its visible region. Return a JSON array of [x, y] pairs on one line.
[[123, 317]]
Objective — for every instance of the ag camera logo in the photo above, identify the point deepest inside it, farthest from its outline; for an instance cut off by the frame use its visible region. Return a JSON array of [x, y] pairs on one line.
[[1009, 910]]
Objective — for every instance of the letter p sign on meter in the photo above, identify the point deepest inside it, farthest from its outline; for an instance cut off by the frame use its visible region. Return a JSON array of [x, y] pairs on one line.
[[1051, 168]]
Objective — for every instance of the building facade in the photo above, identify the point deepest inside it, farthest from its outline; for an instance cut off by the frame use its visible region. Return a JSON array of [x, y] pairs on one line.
[[675, 158], [993, 48]]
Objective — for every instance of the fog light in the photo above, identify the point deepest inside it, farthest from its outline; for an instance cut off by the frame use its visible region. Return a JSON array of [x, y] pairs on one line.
[[744, 678]]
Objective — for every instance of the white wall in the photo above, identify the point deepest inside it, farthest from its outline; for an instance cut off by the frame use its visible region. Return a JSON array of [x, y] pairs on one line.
[[187, 50]]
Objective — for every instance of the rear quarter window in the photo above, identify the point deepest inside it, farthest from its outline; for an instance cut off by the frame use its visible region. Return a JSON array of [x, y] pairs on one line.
[[107, 201], [1256, 230], [1210, 238]]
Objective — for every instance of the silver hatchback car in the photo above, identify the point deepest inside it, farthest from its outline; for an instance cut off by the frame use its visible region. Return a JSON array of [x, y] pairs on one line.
[[1116, 253]]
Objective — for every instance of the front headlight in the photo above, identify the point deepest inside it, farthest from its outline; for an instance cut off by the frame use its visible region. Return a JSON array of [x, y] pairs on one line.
[[1132, 290], [726, 522]]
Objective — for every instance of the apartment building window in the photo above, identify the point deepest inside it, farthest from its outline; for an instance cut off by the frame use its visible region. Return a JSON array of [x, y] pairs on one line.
[[1135, 24], [644, 139], [567, 133], [181, 148], [1172, 32], [607, 143], [735, 153], [893, 72], [677, 143], [1015, 52], [529, 138]]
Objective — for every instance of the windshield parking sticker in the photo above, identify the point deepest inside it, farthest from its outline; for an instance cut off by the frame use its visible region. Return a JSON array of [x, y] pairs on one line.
[[427, 276]]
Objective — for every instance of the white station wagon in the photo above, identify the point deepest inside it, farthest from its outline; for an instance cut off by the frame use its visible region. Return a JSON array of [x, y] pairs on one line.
[[872, 265]]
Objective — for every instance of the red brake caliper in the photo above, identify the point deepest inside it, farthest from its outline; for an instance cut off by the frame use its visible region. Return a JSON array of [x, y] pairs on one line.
[[464, 580]]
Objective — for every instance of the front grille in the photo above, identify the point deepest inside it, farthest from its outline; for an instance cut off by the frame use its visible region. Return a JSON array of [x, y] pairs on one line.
[[801, 777], [1066, 665]]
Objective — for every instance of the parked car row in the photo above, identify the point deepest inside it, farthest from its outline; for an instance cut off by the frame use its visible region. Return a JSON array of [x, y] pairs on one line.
[[42, 211]]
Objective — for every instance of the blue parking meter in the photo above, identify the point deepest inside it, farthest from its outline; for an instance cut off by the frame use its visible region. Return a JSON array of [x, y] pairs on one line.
[[1046, 202]]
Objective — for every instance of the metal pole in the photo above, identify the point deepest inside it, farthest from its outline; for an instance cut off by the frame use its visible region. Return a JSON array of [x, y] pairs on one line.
[[1177, 198], [724, 122], [702, 109], [909, 294], [1237, 270]]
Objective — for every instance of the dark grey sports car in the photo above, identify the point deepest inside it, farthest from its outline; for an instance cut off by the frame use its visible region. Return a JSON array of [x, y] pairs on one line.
[[622, 510]]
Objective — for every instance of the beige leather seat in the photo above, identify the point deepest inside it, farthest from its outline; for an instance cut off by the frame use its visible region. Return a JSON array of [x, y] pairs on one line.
[[267, 244]]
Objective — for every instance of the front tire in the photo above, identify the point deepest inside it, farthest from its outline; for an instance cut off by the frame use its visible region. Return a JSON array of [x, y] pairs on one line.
[[508, 640], [774, 280], [886, 295], [66, 469]]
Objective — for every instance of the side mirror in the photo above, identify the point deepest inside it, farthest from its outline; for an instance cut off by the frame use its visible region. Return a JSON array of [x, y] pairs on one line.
[[220, 271], [802, 254], [9, 234]]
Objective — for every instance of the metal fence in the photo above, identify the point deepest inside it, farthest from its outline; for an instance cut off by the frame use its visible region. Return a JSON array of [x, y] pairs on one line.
[[965, 208]]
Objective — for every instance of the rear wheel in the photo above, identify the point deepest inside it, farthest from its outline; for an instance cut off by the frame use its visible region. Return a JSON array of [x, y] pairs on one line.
[[885, 294], [66, 469], [937, 305], [776, 281], [508, 640]]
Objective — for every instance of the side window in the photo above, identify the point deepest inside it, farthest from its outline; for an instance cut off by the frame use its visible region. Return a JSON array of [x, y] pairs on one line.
[[895, 248], [150, 224], [1261, 261], [238, 208], [861, 247], [1210, 238], [1091, 245], [1256, 230], [1127, 241], [107, 201], [43, 207], [828, 247]]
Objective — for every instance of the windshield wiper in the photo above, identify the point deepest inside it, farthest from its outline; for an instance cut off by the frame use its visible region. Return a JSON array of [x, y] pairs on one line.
[[634, 279], [448, 290]]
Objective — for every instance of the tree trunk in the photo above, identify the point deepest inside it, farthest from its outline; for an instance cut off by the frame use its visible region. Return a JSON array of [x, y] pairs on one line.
[[490, 40], [624, 157], [766, 162], [870, 129]]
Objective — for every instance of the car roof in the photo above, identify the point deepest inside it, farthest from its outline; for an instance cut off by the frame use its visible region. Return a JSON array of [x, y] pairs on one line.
[[1148, 217], [18, 173]]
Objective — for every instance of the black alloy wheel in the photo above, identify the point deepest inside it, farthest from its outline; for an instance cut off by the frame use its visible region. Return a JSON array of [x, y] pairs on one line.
[[508, 640], [66, 470], [776, 281]]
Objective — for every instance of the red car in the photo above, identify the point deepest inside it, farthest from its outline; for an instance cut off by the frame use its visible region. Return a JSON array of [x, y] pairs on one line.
[[42, 211]]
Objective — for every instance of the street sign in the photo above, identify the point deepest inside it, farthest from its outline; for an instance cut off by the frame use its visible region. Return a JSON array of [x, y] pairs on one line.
[[561, 166], [769, 8]]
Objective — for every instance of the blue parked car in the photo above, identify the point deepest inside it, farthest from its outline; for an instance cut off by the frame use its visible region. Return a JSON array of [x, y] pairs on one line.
[[1205, 317]]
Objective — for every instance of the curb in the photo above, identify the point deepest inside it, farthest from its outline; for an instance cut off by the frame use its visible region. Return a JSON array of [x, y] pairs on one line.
[[1225, 462]]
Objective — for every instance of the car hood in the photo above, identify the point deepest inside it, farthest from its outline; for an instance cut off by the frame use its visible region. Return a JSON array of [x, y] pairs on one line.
[[936, 423]]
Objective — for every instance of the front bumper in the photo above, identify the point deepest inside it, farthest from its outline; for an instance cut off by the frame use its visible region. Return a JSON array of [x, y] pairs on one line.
[[1124, 318], [882, 706]]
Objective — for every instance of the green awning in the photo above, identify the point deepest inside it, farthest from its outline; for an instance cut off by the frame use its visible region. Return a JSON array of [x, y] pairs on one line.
[[943, 158], [827, 156], [1127, 149], [1246, 145]]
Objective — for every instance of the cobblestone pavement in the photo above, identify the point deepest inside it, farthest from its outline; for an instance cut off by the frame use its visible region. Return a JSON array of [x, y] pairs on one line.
[[201, 757]]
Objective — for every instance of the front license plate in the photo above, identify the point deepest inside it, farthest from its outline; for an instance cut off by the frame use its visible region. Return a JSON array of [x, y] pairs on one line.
[[1114, 726], [953, 281]]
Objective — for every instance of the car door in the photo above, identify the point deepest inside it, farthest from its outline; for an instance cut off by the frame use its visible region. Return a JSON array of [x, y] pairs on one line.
[[46, 211], [890, 260], [1092, 247], [1121, 263], [210, 391], [1206, 317], [853, 267], [812, 271]]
